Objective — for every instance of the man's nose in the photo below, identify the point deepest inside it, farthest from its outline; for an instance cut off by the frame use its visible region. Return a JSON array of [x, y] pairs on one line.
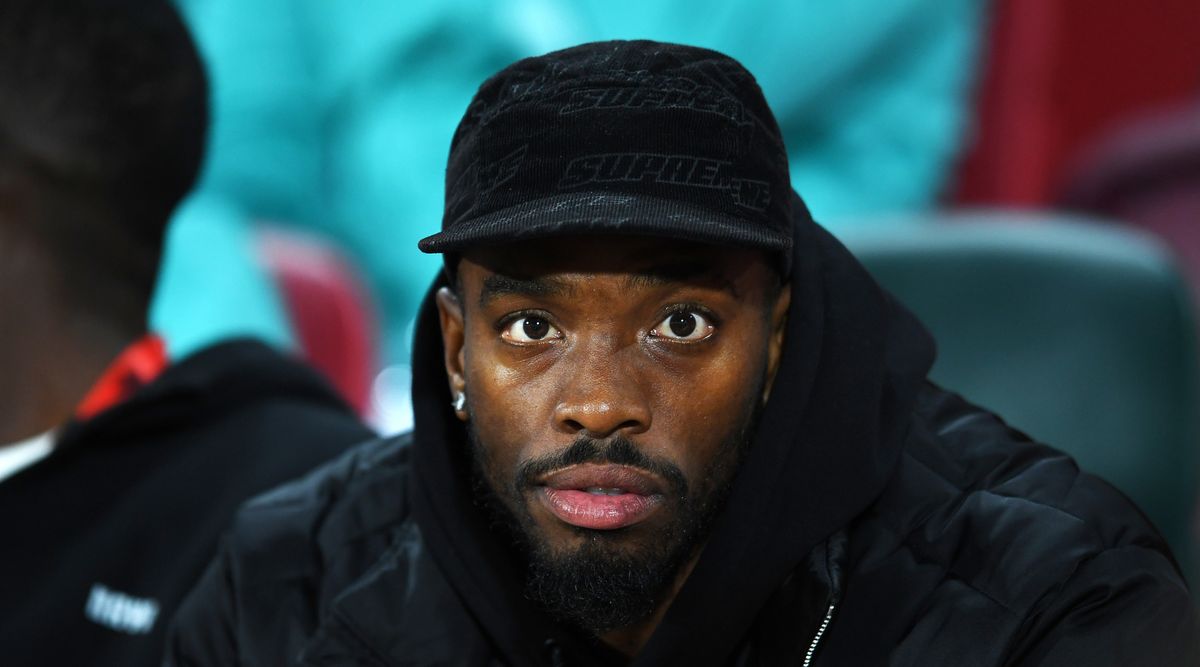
[[602, 395]]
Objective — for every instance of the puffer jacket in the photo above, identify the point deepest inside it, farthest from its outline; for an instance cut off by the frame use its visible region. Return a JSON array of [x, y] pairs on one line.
[[983, 549]]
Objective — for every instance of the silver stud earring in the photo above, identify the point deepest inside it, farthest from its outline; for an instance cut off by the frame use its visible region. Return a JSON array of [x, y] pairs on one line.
[[460, 401]]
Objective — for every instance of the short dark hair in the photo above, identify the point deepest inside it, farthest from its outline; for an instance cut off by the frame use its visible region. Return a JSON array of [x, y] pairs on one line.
[[103, 123]]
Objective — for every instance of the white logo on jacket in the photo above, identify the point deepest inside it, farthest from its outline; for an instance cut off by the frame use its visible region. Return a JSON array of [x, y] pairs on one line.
[[120, 611]]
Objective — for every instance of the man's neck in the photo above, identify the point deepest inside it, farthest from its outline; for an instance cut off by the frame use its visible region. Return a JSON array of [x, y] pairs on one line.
[[49, 372]]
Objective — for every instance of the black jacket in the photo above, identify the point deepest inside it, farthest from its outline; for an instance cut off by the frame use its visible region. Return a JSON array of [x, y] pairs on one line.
[[102, 539], [875, 520]]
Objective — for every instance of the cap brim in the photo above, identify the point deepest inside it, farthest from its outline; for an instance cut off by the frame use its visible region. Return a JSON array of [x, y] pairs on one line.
[[606, 213]]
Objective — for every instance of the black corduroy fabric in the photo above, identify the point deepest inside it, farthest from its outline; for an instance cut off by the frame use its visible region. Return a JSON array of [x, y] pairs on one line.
[[621, 137]]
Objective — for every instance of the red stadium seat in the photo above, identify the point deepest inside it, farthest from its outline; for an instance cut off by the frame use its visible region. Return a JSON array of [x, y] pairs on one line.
[[1147, 174], [333, 320], [1057, 75]]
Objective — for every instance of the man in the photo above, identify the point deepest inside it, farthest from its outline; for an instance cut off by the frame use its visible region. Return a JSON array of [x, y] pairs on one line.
[[684, 427], [118, 469]]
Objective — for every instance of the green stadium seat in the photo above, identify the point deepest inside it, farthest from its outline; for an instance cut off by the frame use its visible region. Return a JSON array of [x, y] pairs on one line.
[[1078, 333]]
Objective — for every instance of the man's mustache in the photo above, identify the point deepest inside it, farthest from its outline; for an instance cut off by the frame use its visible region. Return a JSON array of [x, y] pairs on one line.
[[616, 450]]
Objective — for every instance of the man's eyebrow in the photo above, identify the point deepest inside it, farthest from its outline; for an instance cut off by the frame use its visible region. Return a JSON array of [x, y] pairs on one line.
[[498, 285], [682, 273]]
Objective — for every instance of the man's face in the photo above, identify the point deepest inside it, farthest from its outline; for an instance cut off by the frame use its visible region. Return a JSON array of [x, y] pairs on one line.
[[611, 385]]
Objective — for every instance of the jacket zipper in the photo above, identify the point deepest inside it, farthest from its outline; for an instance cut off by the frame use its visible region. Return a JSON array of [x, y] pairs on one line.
[[812, 648]]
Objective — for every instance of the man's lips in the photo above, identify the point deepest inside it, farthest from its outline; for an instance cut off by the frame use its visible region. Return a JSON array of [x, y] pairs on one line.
[[600, 496]]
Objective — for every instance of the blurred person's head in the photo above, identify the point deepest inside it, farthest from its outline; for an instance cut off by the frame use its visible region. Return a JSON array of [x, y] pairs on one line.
[[103, 117]]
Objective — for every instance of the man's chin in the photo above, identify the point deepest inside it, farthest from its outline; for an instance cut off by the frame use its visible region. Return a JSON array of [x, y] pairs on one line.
[[600, 580], [566, 542]]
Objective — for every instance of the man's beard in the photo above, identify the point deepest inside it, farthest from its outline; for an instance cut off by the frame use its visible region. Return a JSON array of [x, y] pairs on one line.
[[601, 586]]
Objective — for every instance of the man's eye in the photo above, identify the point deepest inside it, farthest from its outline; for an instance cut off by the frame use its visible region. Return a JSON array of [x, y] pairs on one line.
[[684, 325], [530, 329]]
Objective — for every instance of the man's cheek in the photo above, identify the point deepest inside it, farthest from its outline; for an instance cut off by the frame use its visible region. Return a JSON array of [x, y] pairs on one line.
[[508, 438]]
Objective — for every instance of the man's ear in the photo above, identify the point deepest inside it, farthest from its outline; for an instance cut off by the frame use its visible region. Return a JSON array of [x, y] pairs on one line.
[[450, 315], [779, 313]]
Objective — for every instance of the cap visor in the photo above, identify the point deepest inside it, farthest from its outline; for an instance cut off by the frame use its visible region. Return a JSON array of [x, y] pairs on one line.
[[606, 213]]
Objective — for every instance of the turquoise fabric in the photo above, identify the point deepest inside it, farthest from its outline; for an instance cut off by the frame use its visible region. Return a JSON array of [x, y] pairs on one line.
[[337, 116], [871, 96], [210, 286]]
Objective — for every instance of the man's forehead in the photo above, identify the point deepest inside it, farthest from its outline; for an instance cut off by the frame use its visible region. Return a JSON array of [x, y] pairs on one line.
[[561, 268], [496, 284]]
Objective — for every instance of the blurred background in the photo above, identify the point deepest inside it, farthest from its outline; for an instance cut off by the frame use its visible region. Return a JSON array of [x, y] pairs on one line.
[[1025, 174]]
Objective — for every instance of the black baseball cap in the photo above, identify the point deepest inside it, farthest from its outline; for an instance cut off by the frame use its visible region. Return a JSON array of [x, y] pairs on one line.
[[620, 137]]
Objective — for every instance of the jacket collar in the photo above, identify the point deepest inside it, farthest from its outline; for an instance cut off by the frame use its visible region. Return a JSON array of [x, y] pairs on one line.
[[406, 590]]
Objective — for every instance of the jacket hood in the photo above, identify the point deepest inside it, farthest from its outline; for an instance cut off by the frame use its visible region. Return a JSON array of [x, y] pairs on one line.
[[204, 385], [826, 444]]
